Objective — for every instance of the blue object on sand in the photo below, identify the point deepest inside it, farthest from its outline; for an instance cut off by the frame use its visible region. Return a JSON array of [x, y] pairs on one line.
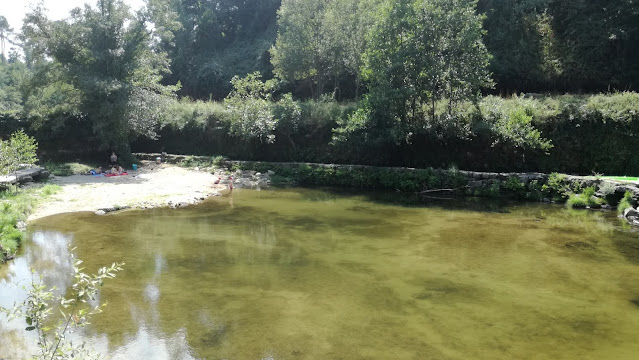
[[134, 166]]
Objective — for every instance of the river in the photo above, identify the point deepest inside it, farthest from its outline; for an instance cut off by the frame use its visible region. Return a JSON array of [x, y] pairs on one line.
[[324, 274]]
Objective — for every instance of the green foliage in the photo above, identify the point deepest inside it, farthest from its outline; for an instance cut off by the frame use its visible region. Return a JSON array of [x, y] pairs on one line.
[[311, 45], [75, 307], [515, 187], [626, 202], [420, 53], [408, 180], [16, 205], [557, 187], [510, 122], [212, 41], [250, 110], [585, 199], [218, 160], [105, 53], [67, 169], [18, 151]]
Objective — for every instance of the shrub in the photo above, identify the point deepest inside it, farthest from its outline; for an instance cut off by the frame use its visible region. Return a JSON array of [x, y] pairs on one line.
[[218, 160], [577, 201], [515, 187], [625, 202], [607, 191], [556, 187], [586, 199]]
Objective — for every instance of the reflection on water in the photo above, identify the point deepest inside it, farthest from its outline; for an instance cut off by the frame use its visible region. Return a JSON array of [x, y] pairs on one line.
[[314, 274]]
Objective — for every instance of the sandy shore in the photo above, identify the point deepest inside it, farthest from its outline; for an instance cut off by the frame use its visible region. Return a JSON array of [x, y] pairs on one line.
[[148, 187]]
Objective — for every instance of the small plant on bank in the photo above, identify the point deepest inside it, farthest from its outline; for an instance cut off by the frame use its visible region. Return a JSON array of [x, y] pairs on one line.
[[515, 187], [586, 199], [557, 187], [218, 160], [607, 191], [16, 205], [626, 202], [75, 308]]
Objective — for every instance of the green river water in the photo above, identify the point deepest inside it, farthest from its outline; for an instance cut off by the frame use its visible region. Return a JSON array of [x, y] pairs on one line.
[[319, 274]]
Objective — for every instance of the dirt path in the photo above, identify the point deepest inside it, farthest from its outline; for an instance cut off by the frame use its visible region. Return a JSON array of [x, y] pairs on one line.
[[150, 186]]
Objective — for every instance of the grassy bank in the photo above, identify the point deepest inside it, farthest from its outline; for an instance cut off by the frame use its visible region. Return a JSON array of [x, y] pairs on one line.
[[589, 133], [15, 206], [576, 192]]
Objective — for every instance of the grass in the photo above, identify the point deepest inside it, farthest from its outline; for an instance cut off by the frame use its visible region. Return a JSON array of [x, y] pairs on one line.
[[586, 199], [67, 169], [211, 162], [625, 203], [621, 178], [15, 206]]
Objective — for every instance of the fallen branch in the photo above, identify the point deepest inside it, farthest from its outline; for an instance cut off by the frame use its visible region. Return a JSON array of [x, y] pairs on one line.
[[442, 190]]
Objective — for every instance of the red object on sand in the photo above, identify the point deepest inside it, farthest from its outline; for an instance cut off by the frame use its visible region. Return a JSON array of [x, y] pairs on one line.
[[217, 181]]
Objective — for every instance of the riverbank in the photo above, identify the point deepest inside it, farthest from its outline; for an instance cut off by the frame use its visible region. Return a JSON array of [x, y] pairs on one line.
[[151, 186]]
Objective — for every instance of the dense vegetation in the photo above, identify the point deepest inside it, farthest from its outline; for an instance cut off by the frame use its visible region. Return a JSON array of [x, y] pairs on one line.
[[402, 82]]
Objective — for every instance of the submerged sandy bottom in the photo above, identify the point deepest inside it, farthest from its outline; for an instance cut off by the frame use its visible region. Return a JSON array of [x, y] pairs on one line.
[[309, 274]]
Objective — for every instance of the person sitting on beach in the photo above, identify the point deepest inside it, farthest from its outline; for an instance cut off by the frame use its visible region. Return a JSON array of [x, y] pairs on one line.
[[120, 169], [114, 171]]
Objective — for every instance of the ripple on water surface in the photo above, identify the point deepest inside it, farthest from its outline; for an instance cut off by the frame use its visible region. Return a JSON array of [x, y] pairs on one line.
[[318, 274]]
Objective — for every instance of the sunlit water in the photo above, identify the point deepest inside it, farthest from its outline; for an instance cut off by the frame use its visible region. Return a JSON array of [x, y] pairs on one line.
[[313, 274]]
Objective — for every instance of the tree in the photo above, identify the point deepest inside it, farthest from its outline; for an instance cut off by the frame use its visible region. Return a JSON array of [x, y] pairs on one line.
[[319, 41], [355, 18], [249, 108], [421, 52], [300, 51], [5, 31], [216, 40], [106, 53], [521, 41]]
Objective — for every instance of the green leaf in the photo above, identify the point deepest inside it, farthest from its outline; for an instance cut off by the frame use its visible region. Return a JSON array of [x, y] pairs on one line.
[[30, 328], [29, 320]]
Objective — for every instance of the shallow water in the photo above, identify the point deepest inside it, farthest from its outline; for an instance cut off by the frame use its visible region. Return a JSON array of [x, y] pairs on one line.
[[316, 274]]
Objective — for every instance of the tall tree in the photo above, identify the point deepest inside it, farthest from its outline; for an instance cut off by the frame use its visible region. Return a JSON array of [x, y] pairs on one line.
[[421, 52], [425, 51], [5, 31], [301, 49], [216, 40], [105, 53]]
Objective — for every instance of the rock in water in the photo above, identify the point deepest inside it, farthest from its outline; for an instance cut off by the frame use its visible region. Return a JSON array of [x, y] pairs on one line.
[[627, 213]]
